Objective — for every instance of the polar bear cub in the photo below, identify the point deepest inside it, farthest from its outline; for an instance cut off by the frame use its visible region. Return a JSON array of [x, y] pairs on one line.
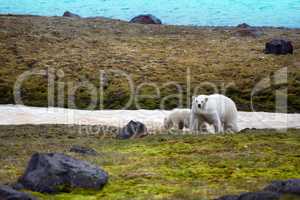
[[178, 118], [216, 109]]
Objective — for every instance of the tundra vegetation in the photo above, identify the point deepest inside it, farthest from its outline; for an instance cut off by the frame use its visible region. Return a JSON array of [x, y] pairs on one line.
[[164, 166], [77, 49]]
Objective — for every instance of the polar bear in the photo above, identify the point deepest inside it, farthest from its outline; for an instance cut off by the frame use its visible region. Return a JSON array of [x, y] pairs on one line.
[[216, 109], [179, 119]]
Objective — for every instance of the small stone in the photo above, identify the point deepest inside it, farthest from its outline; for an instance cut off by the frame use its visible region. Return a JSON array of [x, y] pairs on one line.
[[146, 19], [83, 150], [17, 186], [70, 14], [133, 129], [248, 32], [7, 193], [243, 25]]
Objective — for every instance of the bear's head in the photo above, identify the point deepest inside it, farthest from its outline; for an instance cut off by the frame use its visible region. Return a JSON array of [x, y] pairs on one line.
[[199, 103]]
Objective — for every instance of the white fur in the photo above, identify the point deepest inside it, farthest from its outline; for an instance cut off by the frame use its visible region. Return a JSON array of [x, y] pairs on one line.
[[216, 109], [178, 118]]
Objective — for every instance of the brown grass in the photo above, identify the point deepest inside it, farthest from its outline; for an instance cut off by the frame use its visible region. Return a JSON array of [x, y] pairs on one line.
[[150, 53]]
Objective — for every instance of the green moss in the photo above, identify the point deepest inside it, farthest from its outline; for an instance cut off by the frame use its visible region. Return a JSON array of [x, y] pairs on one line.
[[162, 166]]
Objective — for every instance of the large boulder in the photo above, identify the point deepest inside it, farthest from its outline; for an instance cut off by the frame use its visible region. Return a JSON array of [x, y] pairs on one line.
[[54, 172], [7, 193], [146, 19], [70, 14], [228, 197], [133, 129], [252, 196], [291, 186], [259, 196], [279, 46]]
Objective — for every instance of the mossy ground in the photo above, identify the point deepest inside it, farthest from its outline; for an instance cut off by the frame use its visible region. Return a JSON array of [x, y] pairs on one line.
[[161, 166], [80, 48]]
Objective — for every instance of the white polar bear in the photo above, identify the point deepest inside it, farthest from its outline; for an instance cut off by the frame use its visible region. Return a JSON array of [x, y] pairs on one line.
[[178, 118], [216, 109]]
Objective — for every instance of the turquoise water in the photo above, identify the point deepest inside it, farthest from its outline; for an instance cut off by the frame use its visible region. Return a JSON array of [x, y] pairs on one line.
[[184, 12]]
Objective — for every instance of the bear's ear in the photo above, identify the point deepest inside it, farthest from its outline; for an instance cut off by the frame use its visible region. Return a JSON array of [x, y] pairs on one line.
[[206, 99], [193, 98]]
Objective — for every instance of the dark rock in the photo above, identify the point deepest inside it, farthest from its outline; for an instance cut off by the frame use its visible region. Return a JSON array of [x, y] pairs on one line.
[[228, 197], [17, 186], [243, 25], [7, 193], [146, 19], [291, 186], [248, 130], [133, 129], [245, 30], [248, 32], [279, 46], [259, 196], [70, 14], [252, 196], [54, 172], [83, 150]]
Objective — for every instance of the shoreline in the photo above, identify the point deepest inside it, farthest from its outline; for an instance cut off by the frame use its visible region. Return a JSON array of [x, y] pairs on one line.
[[170, 25]]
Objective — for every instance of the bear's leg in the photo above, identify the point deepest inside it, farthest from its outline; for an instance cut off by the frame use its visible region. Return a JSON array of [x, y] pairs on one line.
[[187, 123], [168, 123], [231, 127], [180, 125], [193, 123], [217, 124], [203, 127]]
